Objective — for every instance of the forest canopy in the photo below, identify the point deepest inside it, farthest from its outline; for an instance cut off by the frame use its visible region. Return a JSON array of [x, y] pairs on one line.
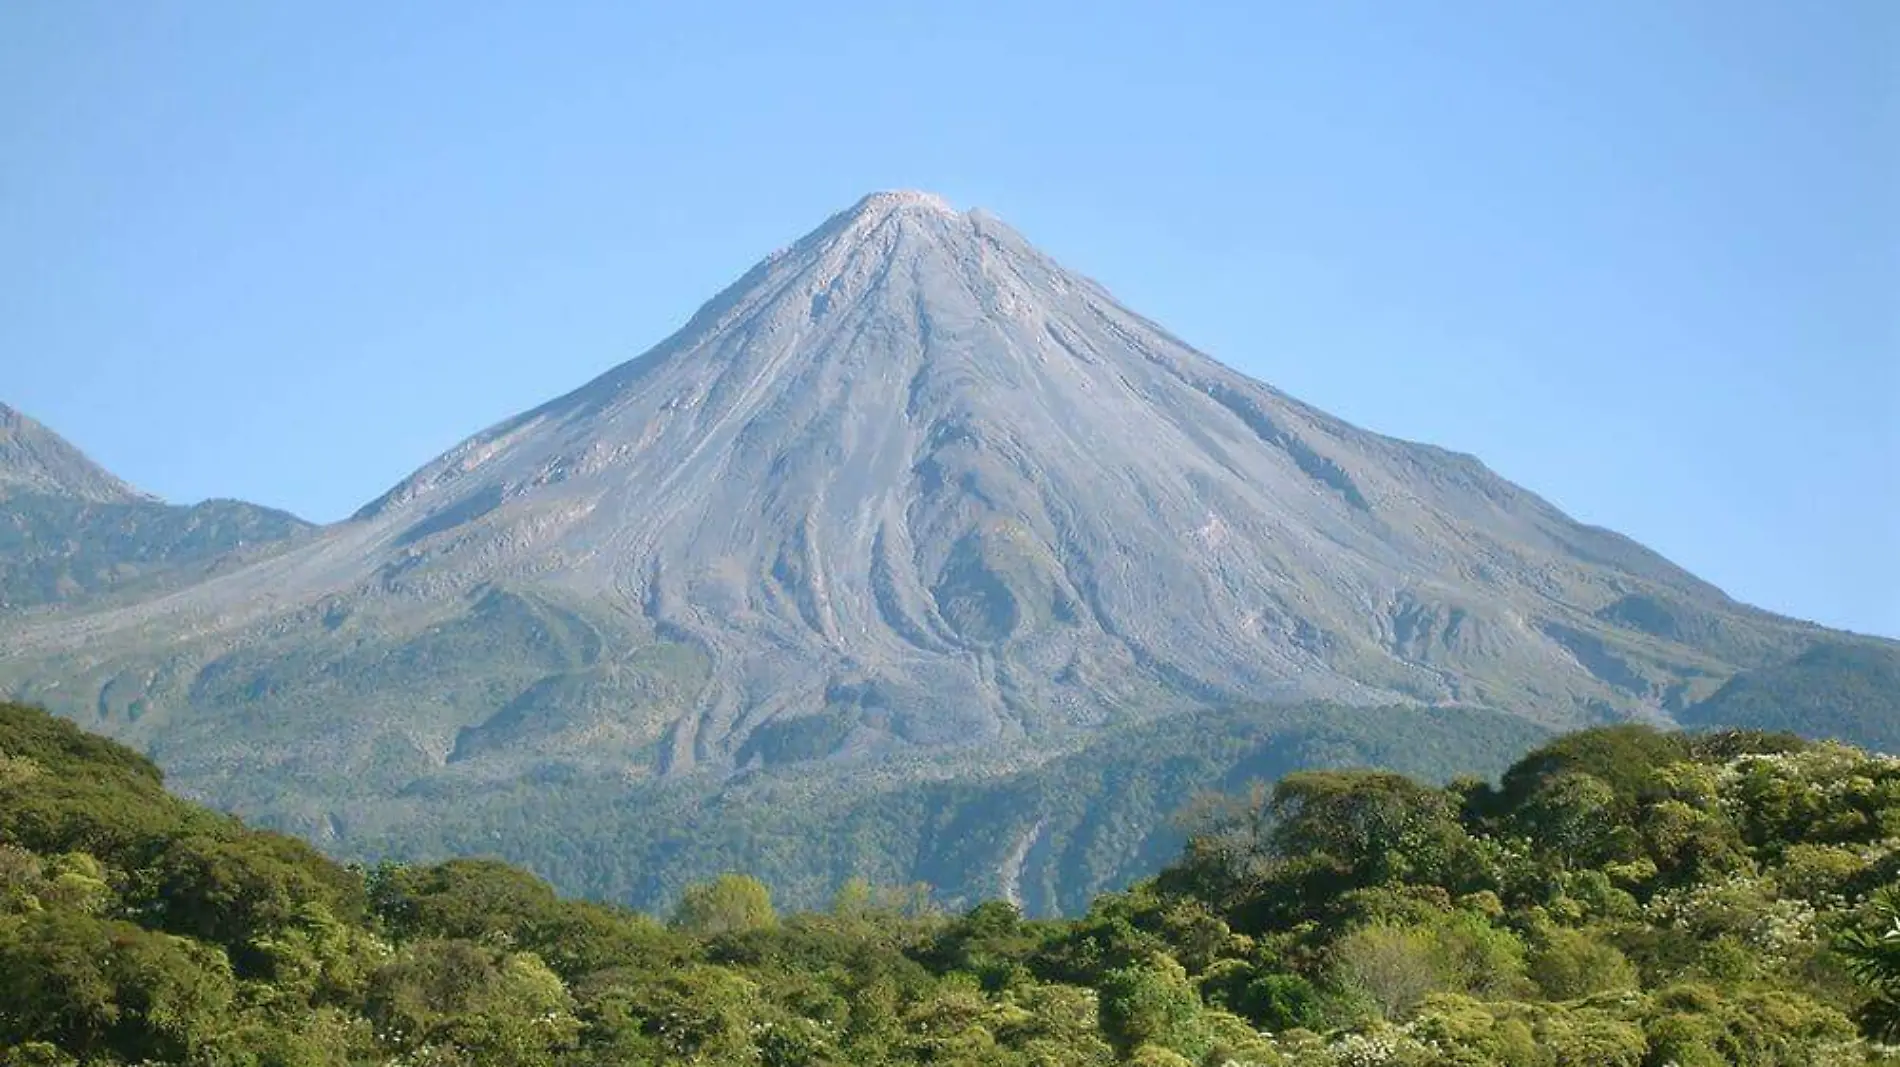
[[1622, 896]]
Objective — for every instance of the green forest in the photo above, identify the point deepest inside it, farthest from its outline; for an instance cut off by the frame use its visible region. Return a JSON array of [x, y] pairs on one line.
[[1620, 897]]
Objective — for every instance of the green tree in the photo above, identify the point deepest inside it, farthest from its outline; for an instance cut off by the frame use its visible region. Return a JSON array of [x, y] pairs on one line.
[[1573, 816], [1272, 1001], [474, 899], [1394, 966], [1150, 1003], [1571, 964], [489, 1006], [695, 1014], [1872, 951], [1623, 757], [1379, 827], [317, 959], [234, 892], [95, 986], [731, 903]]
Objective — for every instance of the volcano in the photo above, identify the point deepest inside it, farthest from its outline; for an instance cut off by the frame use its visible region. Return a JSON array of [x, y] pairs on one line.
[[908, 501]]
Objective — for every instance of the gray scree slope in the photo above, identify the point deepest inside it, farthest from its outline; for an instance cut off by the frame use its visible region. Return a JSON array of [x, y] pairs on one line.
[[34, 459], [907, 486]]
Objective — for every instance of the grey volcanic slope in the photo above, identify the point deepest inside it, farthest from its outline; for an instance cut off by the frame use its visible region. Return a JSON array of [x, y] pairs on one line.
[[909, 497], [34, 459], [72, 533]]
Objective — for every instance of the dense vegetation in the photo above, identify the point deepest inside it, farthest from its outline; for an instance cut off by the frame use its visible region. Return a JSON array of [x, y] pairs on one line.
[[1050, 836], [1619, 897], [1835, 689], [59, 549]]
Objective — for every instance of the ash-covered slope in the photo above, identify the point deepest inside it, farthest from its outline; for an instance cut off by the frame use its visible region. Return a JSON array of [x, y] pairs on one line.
[[907, 487], [911, 456], [34, 459]]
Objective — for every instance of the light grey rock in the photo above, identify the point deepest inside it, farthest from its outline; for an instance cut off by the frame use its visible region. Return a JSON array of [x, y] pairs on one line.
[[34, 459], [908, 495]]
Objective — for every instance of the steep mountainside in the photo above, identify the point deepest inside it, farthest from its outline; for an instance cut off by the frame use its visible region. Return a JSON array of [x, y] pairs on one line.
[[34, 459], [70, 531], [909, 499], [1835, 689], [1048, 837]]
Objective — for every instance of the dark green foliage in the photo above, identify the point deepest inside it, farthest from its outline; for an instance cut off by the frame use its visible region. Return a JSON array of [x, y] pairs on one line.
[[1570, 964], [1576, 819], [1846, 691], [1872, 951], [67, 751], [730, 904], [233, 891], [490, 902], [491, 1006], [1622, 757], [1317, 837], [1150, 1002], [56, 549], [991, 941], [1099, 817], [93, 985], [1624, 898], [1271, 1001]]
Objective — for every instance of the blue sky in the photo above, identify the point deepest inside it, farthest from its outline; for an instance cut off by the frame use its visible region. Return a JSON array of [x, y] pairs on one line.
[[1642, 257]]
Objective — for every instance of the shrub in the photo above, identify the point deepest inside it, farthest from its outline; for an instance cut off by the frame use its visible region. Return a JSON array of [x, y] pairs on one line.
[[1572, 964]]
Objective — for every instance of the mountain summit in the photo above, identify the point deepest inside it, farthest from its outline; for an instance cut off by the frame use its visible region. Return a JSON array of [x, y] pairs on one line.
[[34, 459], [908, 488], [72, 533], [913, 461]]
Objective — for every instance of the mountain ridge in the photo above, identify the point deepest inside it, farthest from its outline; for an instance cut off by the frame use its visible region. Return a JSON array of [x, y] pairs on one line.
[[35, 459], [909, 494], [72, 534]]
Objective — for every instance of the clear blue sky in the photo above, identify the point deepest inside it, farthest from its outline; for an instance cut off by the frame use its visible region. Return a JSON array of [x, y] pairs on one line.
[[1642, 257]]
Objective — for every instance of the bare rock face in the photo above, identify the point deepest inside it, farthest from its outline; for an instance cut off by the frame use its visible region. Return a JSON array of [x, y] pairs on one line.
[[907, 489], [34, 459]]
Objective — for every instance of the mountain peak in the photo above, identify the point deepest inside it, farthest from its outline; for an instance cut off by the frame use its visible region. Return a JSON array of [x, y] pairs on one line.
[[885, 201], [911, 442], [37, 460], [888, 213], [908, 495]]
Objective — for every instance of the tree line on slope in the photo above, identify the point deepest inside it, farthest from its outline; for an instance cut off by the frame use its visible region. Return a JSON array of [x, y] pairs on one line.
[[1619, 897], [1095, 818]]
